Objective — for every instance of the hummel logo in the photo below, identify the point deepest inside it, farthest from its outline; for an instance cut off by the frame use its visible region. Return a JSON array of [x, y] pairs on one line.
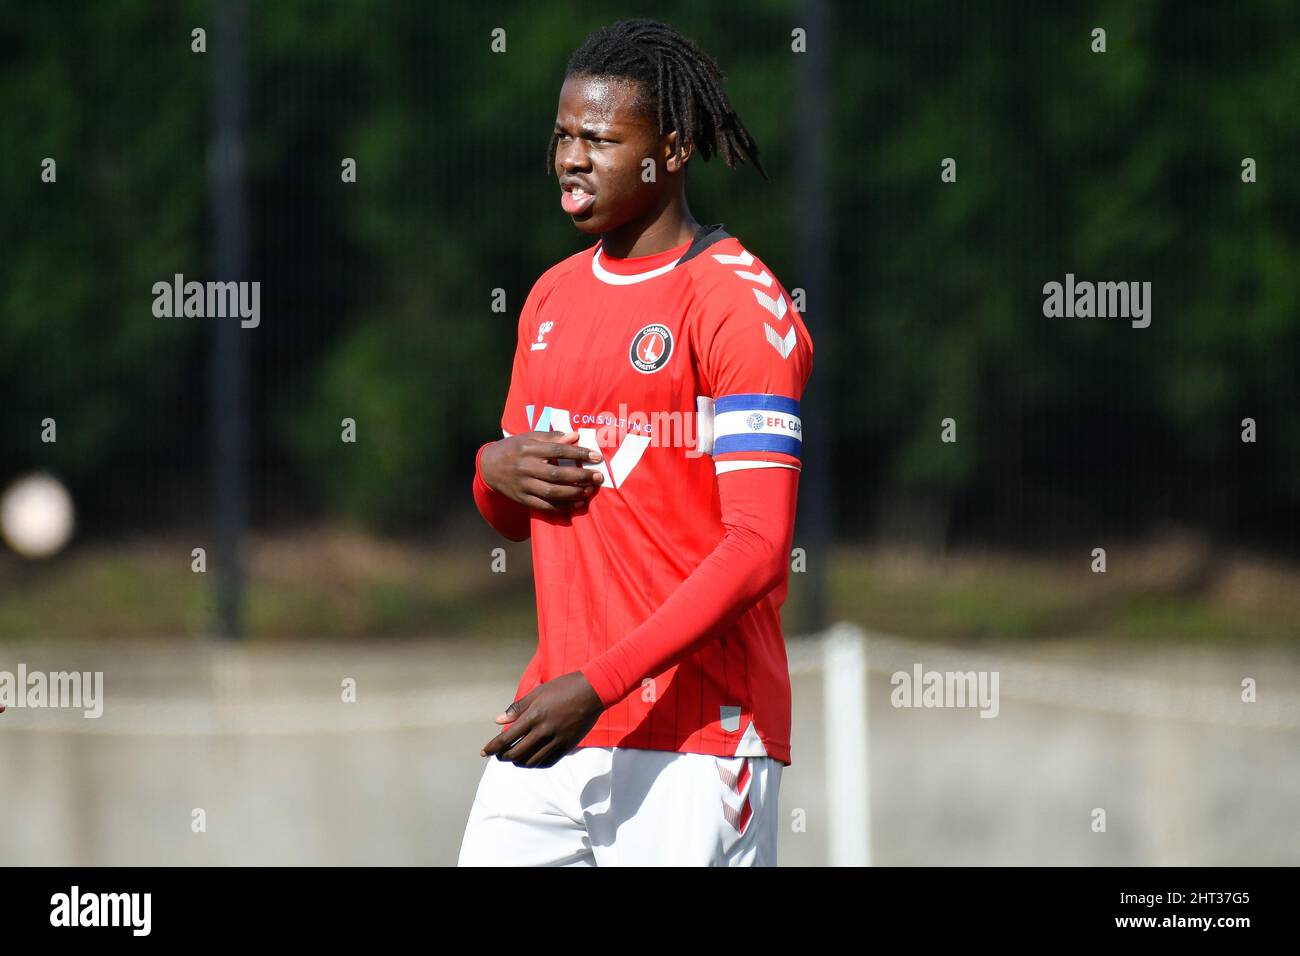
[[776, 307], [541, 331], [784, 344]]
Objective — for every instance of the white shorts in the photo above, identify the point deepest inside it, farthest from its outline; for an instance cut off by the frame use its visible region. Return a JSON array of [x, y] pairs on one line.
[[609, 806]]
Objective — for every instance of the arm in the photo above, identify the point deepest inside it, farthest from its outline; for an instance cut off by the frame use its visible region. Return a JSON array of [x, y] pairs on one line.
[[508, 517], [758, 508], [758, 480], [535, 471], [758, 513], [519, 473]]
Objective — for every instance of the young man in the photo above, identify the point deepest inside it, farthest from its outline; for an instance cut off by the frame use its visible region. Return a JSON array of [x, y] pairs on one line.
[[667, 362]]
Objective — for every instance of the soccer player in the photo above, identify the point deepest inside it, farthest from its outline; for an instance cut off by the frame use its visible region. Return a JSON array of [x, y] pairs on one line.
[[651, 451]]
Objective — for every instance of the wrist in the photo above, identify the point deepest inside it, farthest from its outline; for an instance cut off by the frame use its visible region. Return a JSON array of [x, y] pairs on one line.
[[597, 705], [607, 688], [479, 474]]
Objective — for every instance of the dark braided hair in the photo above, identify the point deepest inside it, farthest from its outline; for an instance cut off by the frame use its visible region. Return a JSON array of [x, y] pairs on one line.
[[678, 82]]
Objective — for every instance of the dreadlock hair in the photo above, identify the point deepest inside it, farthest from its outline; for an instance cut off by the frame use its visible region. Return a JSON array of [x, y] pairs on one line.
[[678, 82]]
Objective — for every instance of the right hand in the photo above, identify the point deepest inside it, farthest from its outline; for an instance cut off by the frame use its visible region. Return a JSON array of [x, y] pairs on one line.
[[542, 470]]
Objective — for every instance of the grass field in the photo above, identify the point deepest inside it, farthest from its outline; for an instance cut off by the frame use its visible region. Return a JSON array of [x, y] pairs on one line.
[[334, 583]]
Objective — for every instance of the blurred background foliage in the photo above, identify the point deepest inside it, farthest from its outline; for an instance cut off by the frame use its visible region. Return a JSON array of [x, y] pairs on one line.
[[376, 296]]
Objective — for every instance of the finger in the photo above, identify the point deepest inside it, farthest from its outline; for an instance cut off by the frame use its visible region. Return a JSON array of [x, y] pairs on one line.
[[520, 752], [558, 508], [559, 474], [541, 504], [556, 494], [548, 755], [499, 743], [517, 708], [550, 449], [507, 737]]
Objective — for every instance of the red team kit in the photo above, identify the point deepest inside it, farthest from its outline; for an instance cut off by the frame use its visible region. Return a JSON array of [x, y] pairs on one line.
[[680, 367]]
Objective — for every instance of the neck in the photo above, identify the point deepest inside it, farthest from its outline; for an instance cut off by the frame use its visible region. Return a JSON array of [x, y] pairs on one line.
[[663, 227]]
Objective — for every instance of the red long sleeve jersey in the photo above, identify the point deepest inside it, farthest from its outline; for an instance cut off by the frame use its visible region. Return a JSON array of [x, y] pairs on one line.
[[678, 366]]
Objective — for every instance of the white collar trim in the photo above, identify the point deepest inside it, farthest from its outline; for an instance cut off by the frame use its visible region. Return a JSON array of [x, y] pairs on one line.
[[613, 278]]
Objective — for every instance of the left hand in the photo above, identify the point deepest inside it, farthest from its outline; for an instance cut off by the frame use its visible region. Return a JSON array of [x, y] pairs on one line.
[[546, 723]]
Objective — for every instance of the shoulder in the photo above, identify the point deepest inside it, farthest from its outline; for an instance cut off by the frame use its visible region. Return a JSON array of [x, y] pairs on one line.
[[547, 284], [557, 273], [738, 302], [727, 277], [747, 334]]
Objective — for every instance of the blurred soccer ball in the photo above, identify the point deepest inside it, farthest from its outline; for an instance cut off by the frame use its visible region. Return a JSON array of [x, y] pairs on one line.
[[36, 516]]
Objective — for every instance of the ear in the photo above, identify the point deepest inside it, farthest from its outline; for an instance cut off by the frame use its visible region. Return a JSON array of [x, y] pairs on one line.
[[671, 163]]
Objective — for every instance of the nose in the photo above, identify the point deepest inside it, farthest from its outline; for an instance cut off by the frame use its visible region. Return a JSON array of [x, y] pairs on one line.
[[571, 155]]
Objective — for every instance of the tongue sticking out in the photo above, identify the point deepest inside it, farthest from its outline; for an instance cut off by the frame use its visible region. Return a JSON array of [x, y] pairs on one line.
[[576, 202]]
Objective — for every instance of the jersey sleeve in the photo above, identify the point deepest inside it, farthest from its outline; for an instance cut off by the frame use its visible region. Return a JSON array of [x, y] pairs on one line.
[[514, 417], [754, 356], [508, 517], [511, 519], [758, 513]]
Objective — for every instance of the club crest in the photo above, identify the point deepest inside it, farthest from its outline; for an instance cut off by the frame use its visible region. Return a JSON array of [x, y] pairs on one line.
[[651, 347]]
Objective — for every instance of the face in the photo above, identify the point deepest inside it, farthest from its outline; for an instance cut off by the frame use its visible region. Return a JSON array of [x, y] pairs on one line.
[[603, 140]]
